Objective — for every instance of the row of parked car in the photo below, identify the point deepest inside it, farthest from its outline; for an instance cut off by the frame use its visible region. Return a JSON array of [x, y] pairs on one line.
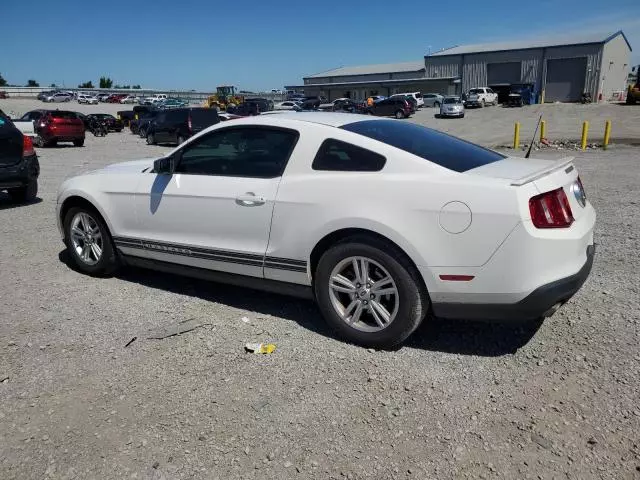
[[56, 96]]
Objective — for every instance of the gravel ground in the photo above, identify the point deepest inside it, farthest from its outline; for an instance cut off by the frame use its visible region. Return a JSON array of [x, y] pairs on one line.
[[490, 126], [460, 400]]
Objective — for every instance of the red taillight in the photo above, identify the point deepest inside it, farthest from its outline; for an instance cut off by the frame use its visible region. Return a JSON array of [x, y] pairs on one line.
[[27, 147], [551, 210]]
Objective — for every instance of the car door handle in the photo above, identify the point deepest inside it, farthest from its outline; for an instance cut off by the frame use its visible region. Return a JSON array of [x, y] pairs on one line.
[[249, 199]]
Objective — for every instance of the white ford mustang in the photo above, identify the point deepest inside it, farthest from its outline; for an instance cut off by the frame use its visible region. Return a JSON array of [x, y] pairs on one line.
[[381, 221]]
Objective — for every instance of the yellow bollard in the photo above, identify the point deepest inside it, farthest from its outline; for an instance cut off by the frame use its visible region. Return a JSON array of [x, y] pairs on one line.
[[585, 132], [516, 136], [543, 130], [607, 134]]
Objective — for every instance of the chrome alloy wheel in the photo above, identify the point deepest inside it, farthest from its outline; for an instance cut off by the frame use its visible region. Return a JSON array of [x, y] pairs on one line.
[[86, 238], [363, 294]]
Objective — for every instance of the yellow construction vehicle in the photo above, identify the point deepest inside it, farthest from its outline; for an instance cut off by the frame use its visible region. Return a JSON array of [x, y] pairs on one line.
[[633, 93], [224, 97]]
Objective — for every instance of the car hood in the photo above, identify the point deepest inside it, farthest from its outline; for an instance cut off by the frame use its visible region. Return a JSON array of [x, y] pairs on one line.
[[127, 167]]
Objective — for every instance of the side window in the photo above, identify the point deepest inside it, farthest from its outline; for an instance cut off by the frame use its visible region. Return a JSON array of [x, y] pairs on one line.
[[338, 156], [489, 90], [239, 152]]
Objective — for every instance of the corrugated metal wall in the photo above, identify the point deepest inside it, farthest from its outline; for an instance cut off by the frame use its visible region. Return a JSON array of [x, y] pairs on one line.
[[615, 66], [363, 78], [442, 67], [593, 53]]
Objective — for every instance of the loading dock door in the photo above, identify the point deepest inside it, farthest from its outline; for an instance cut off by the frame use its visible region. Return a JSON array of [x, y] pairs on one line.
[[565, 79], [503, 73]]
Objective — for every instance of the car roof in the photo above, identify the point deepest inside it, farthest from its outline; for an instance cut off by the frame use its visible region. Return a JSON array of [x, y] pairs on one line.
[[330, 119]]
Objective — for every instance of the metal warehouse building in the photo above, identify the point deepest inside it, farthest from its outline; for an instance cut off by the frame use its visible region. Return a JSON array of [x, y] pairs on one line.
[[559, 70], [360, 82]]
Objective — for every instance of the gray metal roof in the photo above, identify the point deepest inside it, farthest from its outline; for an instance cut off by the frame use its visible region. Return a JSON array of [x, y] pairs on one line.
[[371, 69], [577, 39]]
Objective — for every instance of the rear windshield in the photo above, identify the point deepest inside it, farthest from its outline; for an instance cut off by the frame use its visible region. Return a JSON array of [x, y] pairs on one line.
[[437, 147], [62, 114], [476, 90], [204, 117]]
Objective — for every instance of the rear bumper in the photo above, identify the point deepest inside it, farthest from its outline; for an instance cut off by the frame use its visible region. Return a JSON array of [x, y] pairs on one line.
[[19, 175], [539, 303]]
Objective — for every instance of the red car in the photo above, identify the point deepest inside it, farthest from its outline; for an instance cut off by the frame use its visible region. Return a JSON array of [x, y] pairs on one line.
[[59, 126], [115, 98]]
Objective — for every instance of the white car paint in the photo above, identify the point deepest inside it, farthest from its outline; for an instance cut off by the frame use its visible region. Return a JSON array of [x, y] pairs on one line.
[[26, 127], [417, 96], [475, 223], [482, 96], [287, 105]]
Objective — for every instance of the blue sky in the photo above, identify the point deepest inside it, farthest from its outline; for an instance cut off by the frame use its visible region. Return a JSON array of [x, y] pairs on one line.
[[257, 45]]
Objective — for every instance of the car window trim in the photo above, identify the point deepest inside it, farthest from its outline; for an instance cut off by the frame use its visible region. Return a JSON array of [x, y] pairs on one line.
[[179, 153]]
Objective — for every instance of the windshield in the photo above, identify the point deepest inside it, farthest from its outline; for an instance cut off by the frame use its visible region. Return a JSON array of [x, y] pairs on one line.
[[475, 90], [437, 147], [451, 100]]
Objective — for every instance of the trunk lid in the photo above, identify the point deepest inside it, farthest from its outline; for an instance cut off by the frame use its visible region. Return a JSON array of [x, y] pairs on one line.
[[545, 175]]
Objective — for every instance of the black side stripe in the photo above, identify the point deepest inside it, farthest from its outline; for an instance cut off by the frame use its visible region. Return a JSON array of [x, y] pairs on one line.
[[213, 254]]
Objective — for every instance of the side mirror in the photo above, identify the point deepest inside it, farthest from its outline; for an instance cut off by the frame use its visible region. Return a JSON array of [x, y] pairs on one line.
[[164, 166]]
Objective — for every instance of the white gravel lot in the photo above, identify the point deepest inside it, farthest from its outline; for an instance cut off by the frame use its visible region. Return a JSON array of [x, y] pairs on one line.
[[460, 400]]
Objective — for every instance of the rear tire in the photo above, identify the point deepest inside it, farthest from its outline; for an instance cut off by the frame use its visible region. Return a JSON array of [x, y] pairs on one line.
[[181, 140], [436, 104], [26, 194], [399, 114], [151, 139], [482, 104], [78, 142], [408, 304]]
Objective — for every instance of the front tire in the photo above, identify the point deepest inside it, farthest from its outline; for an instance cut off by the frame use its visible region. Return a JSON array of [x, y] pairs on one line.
[[483, 104], [367, 296], [399, 114], [151, 139], [89, 242], [26, 194]]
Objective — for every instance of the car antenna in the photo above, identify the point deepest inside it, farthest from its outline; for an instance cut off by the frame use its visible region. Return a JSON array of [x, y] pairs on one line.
[[533, 139]]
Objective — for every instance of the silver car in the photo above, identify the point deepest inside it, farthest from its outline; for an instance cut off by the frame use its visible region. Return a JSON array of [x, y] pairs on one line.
[[432, 99], [59, 97], [452, 107]]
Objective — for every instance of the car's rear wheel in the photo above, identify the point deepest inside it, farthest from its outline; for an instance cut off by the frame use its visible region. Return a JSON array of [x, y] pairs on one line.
[[368, 296], [436, 104], [181, 139], [482, 104], [151, 139], [25, 194], [399, 114], [89, 242], [79, 142], [142, 133]]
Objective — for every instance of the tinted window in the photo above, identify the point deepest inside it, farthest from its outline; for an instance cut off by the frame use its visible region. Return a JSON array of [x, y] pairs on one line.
[[239, 152], [343, 157], [418, 95], [437, 147], [204, 117], [175, 115], [62, 114], [489, 90], [476, 90]]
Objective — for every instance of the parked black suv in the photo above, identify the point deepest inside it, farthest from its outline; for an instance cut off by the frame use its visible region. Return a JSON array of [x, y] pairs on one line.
[[396, 106], [141, 115], [177, 124], [19, 167]]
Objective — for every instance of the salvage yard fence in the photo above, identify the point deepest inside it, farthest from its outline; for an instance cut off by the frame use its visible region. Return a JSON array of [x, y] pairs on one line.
[[191, 95]]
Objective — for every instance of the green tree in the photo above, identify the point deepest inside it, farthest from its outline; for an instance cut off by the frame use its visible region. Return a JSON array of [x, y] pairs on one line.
[[3, 82], [137, 87], [32, 83], [106, 82], [88, 84], [53, 85]]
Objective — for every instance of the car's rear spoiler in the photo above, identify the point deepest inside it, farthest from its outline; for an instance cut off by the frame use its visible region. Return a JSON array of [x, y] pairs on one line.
[[560, 164]]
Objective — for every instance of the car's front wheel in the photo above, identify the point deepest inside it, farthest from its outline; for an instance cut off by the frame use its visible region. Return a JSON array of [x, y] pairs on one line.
[[89, 242], [151, 139], [368, 296], [399, 114]]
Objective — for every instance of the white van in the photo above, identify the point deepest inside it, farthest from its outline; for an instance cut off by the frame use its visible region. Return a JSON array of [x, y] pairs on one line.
[[416, 95]]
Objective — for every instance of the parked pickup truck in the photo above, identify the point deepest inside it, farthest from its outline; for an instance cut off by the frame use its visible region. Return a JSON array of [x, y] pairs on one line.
[[26, 123], [481, 97], [153, 99]]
